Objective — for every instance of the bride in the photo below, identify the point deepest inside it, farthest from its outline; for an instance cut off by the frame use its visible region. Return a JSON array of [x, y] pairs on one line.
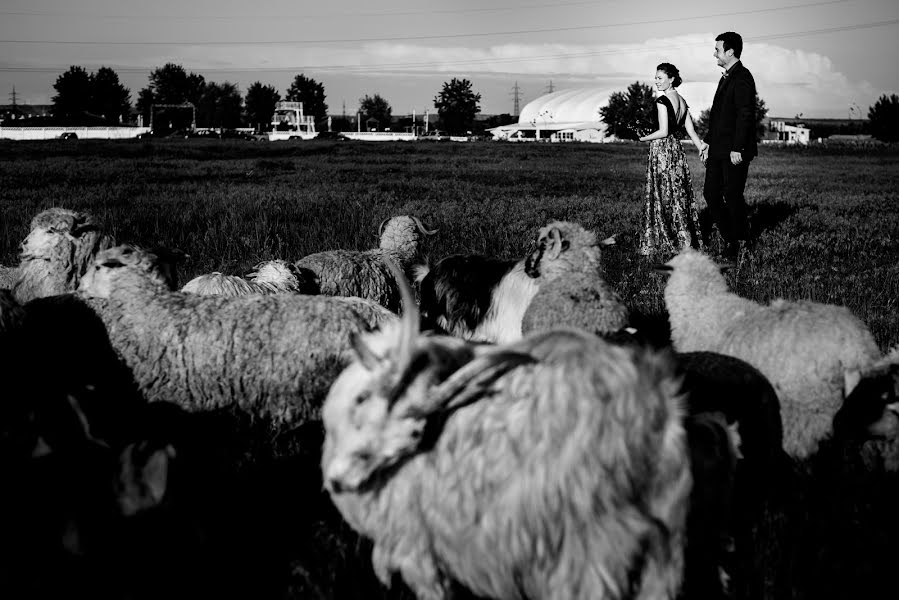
[[669, 221]]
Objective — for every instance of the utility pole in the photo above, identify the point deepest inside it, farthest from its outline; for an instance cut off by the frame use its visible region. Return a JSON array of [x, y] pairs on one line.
[[516, 95]]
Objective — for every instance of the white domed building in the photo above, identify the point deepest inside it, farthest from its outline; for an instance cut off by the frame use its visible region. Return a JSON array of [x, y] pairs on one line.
[[573, 115]]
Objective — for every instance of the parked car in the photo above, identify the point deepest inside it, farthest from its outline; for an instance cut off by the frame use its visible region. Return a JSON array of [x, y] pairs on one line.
[[330, 135], [68, 135]]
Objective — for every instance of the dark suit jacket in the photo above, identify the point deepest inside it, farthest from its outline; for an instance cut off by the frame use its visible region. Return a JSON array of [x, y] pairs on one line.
[[732, 117]]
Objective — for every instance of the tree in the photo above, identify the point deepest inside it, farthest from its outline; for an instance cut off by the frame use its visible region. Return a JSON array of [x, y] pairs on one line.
[[457, 105], [220, 106], [634, 108], [259, 104], [761, 111], [73, 95], [377, 108], [171, 84], [109, 98], [311, 93], [884, 118]]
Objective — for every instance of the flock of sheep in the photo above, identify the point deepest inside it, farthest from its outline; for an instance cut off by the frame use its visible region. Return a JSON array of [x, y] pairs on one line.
[[503, 429]]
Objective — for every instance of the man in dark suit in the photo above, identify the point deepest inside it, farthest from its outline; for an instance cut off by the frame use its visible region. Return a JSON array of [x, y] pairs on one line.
[[731, 143]]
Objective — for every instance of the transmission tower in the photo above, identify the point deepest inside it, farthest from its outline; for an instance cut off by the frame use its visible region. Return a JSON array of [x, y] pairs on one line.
[[12, 97], [550, 89], [516, 96]]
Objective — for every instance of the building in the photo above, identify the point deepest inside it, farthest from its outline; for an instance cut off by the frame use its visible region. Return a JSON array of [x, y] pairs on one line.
[[778, 130], [573, 115]]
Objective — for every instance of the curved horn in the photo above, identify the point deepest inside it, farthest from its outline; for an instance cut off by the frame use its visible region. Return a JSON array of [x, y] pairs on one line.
[[422, 229], [409, 323], [609, 241], [381, 226], [471, 381], [556, 246]]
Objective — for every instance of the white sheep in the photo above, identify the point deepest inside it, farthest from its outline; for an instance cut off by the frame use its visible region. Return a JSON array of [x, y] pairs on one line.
[[58, 250], [363, 273], [268, 277], [274, 355], [573, 292], [555, 467], [804, 348]]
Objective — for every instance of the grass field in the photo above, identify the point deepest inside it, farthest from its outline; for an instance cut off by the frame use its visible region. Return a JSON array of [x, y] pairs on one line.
[[826, 224]]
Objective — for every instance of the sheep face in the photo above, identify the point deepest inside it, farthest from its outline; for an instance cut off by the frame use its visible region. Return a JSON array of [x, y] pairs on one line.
[[692, 272], [277, 272], [98, 282], [557, 238], [872, 408]]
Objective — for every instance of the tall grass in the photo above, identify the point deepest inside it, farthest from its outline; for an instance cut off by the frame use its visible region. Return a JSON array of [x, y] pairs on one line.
[[826, 221]]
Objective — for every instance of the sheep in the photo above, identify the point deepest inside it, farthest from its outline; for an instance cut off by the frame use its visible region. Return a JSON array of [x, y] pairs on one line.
[[363, 273], [273, 356], [56, 253], [804, 348], [735, 435], [269, 277], [555, 467], [572, 289], [870, 412]]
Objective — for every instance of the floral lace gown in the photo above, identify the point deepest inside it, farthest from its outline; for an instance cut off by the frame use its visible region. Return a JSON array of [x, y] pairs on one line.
[[670, 220]]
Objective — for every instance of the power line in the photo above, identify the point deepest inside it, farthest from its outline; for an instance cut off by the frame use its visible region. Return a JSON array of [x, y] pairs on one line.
[[415, 37], [281, 17], [476, 61]]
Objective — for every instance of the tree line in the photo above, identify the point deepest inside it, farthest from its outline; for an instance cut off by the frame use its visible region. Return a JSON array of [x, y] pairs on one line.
[[84, 98]]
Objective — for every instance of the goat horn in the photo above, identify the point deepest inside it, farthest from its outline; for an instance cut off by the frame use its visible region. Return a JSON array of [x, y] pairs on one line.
[[469, 383], [381, 227], [422, 229], [409, 323], [609, 241]]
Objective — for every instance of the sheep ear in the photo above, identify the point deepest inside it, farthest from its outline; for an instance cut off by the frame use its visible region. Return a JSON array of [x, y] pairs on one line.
[[851, 377], [363, 353], [609, 241], [556, 247], [726, 266], [663, 268]]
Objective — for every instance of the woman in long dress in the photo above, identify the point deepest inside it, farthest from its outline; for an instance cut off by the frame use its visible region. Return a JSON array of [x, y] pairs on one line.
[[670, 219]]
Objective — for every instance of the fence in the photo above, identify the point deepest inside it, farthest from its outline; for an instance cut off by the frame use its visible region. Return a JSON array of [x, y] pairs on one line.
[[50, 133]]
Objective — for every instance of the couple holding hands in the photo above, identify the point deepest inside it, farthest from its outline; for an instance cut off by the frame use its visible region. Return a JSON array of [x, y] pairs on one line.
[[670, 220]]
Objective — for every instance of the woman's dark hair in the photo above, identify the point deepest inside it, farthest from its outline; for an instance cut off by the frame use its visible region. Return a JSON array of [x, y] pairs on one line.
[[672, 72]]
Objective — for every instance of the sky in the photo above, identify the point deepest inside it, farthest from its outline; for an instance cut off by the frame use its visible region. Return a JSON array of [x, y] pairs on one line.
[[825, 58]]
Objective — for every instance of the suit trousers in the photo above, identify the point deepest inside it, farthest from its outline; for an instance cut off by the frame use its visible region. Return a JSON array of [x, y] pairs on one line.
[[723, 192]]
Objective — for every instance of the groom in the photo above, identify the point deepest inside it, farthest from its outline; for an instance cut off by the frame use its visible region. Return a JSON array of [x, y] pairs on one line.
[[731, 143]]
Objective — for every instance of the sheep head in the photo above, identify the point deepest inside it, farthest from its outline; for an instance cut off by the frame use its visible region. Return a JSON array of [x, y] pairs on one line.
[[56, 253], [563, 247], [123, 261], [401, 235], [692, 273], [871, 406], [278, 272], [380, 408]]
